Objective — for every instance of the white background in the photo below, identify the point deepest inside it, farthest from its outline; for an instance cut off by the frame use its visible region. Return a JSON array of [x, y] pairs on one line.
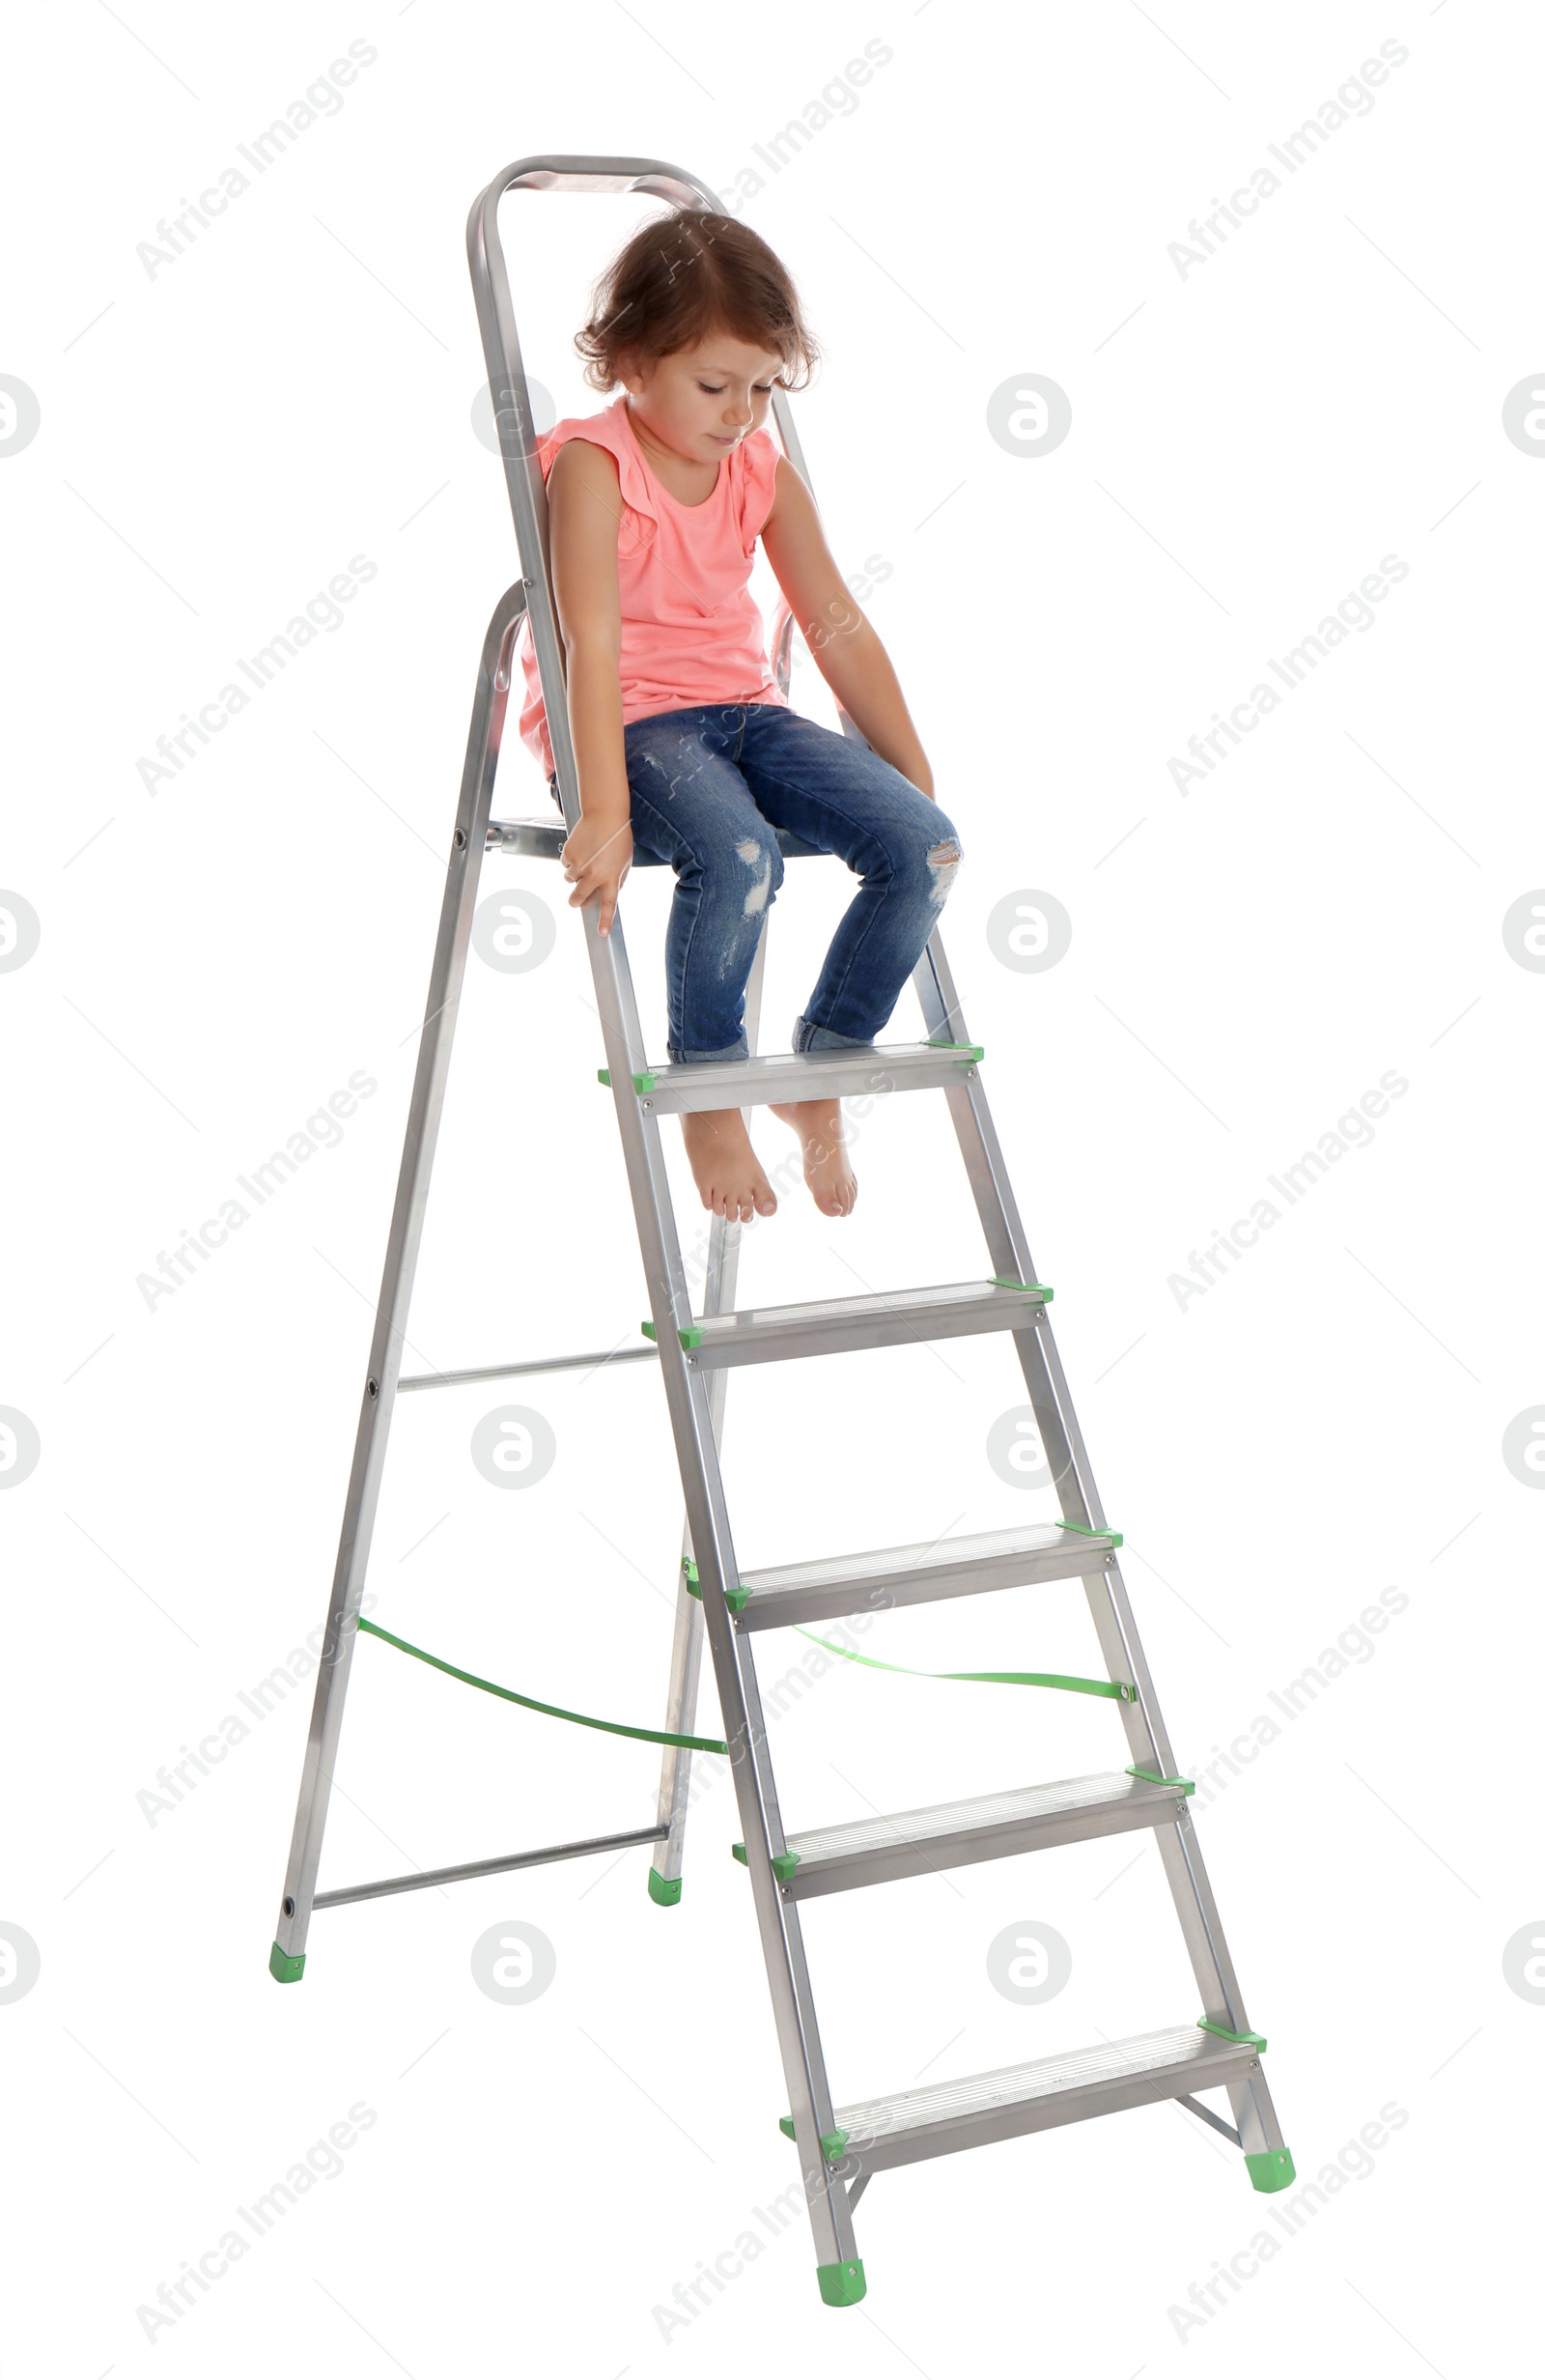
[[1248, 439]]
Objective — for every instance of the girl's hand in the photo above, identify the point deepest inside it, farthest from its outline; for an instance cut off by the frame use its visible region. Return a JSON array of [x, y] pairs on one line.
[[595, 857]]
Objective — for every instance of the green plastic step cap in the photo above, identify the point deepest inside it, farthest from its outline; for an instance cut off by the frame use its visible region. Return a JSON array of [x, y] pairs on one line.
[[692, 1338], [1246, 2041], [665, 1890], [736, 1597], [784, 1864], [832, 2144], [1270, 2169], [841, 2285], [1079, 1530], [1151, 1776], [286, 1967]]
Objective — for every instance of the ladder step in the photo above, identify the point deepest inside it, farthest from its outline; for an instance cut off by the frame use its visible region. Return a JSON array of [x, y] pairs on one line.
[[883, 1319], [939, 2117], [873, 1850], [892, 1575], [753, 1082]]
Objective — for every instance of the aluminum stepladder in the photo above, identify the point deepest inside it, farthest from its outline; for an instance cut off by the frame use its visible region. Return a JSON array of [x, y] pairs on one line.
[[839, 2148]]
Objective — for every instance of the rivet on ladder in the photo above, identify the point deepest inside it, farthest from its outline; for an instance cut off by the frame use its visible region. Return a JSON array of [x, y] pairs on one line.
[[461, 839], [289, 1906], [371, 1388]]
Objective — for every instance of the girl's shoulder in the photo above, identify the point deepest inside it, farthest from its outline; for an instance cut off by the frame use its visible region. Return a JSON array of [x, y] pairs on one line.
[[753, 478], [609, 430]]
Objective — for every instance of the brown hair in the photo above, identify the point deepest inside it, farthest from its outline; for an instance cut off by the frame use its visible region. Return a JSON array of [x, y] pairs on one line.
[[683, 275]]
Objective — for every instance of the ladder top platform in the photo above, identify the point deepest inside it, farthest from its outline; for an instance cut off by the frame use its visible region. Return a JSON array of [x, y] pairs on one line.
[[544, 838]]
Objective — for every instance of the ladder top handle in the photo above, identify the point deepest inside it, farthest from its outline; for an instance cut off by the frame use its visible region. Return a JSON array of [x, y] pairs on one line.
[[654, 178], [648, 175]]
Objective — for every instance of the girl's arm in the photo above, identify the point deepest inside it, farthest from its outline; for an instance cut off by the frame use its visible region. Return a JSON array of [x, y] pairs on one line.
[[584, 506], [845, 647]]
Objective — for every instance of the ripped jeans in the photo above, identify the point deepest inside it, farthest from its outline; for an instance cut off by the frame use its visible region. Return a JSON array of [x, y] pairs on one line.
[[709, 786]]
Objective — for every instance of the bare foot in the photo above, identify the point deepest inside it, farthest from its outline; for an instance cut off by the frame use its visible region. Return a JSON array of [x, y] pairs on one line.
[[724, 1165], [829, 1177]]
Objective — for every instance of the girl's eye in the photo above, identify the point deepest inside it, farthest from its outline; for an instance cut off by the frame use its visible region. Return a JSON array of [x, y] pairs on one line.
[[763, 388]]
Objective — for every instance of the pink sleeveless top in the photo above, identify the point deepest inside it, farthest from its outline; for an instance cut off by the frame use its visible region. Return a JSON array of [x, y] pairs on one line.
[[691, 631]]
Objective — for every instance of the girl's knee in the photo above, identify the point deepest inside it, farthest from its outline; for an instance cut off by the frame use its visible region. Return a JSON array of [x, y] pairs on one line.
[[943, 831], [941, 857], [761, 871]]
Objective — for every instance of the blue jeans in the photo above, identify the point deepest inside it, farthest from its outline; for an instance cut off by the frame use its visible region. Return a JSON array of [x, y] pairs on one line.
[[709, 786]]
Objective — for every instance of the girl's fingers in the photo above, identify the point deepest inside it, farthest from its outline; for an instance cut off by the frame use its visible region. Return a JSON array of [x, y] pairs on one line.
[[584, 892]]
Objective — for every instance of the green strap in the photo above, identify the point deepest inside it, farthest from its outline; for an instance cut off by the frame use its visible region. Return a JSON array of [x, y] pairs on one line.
[[989, 1677], [548, 1709]]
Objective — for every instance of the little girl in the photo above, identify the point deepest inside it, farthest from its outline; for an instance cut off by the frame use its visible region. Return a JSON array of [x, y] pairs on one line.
[[684, 741]]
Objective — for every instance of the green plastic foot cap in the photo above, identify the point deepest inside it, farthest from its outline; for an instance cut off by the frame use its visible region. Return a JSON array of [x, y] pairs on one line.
[[285, 1967], [1270, 2169], [666, 1890], [841, 2285]]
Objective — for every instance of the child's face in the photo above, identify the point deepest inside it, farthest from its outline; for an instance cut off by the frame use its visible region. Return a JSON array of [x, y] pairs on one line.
[[702, 401]]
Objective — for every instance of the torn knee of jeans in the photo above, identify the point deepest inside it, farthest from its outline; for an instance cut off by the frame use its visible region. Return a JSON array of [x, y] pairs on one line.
[[756, 899], [942, 862]]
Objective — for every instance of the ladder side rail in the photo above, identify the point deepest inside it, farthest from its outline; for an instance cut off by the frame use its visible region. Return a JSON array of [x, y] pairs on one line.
[[686, 1388], [528, 505], [512, 402], [745, 1728], [783, 415], [397, 1273], [784, 624], [522, 474], [1068, 1460], [707, 1522]]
